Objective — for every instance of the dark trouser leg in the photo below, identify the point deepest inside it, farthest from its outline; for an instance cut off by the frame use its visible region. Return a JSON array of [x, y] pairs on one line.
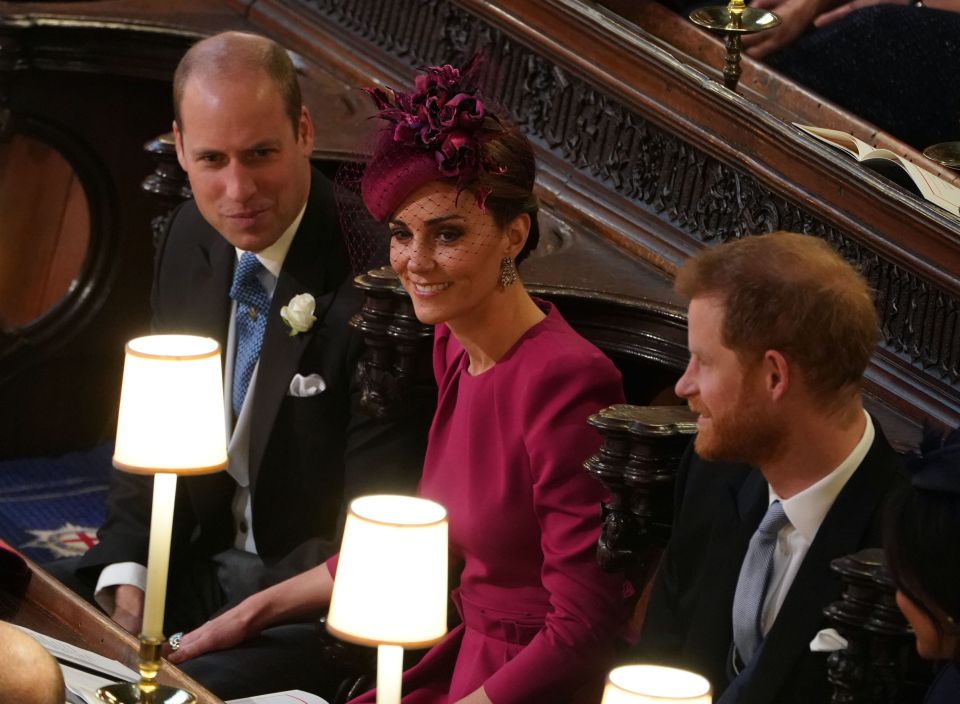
[[280, 658]]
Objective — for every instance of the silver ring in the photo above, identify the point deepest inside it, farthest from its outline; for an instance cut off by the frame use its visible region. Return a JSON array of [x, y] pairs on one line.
[[174, 640]]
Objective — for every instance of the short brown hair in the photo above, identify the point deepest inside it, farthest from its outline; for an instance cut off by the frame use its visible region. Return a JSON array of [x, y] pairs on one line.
[[794, 294], [236, 52]]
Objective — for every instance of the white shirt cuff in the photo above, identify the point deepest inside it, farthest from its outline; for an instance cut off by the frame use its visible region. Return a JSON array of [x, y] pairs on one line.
[[113, 576]]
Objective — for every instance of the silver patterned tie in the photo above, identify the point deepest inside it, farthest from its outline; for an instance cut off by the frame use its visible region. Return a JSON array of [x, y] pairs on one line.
[[753, 582]]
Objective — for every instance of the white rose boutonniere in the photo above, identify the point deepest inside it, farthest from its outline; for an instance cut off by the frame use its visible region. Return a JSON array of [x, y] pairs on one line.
[[298, 314]]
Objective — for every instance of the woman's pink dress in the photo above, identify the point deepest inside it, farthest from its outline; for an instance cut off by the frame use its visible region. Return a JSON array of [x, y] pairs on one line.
[[505, 457]]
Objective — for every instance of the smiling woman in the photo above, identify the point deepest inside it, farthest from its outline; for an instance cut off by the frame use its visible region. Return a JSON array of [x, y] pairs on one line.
[[516, 386]]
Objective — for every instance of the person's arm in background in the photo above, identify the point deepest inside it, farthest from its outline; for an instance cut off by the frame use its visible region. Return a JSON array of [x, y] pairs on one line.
[[797, 17], [845, 9], [800, 15]]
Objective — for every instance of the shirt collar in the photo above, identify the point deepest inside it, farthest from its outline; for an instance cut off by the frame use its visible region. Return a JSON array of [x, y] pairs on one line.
[[273, 256], [807, 509]]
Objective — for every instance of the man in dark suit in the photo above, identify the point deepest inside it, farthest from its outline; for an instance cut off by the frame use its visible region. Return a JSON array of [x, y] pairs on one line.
[[256, 261], [786, 473]]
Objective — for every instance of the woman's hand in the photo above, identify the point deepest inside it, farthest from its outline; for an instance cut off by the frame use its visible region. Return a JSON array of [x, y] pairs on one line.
[[477, 696], [305, 595], [225, 631]]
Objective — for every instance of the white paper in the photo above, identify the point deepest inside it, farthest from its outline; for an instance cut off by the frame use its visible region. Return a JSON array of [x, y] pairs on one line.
[[79, 656], [82, 686], [294, 696]]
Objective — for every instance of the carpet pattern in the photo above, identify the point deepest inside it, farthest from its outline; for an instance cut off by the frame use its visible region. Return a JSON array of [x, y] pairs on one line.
[[52, 507]]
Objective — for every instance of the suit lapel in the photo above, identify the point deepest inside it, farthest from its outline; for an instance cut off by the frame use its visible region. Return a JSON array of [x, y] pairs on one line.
[[712, 623], [211, 310], [315, 264], [815, 586]]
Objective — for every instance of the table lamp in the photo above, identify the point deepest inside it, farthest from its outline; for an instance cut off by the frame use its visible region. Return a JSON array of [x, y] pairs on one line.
[[653, 684], [170, 422], [391, 585]]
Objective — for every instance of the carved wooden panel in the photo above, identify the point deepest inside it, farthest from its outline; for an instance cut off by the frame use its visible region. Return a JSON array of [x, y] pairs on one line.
[[660, 172]]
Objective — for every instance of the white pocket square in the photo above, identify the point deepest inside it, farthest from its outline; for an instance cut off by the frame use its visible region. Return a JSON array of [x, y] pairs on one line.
[[310, 385], [828, 641]]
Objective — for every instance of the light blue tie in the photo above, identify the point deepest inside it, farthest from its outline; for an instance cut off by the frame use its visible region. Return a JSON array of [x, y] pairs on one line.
[[754, 581], [253, 303]]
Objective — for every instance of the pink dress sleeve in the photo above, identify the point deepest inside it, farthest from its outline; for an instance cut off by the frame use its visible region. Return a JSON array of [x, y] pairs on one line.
[[587, 606]]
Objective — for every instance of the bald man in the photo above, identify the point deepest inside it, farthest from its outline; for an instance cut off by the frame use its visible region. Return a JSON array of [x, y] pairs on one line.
[[28, 673], [261, 220]]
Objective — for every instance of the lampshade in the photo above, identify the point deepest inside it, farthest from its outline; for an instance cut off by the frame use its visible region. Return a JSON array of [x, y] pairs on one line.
[[652, 684], [391, 584], [171, 407]]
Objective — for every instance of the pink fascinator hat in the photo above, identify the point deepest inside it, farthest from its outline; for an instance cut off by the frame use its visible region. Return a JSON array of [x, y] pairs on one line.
[[436, 132]]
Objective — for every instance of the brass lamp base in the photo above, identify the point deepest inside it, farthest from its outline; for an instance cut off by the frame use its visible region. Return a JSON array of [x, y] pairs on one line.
[[946, 154], [719, 18], [734, 21], [131, 693], [146, 691]]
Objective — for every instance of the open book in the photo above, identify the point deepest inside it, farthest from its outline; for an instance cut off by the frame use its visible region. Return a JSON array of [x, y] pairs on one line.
[[931, 187]]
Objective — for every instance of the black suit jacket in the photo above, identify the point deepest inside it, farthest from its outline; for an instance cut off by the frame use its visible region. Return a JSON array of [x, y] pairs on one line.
[[718, 508], [308, 456]]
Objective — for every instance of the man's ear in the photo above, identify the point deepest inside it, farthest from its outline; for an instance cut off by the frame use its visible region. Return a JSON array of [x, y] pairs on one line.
[[305, 133], [517, 232], [178, 143], [776, 371]]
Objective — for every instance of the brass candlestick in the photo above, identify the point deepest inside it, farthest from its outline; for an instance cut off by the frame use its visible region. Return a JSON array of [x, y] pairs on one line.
[[146, 691], [946, 154], [733, 21]]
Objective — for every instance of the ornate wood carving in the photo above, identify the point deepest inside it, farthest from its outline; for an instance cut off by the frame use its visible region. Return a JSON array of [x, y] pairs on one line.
[[641, 448], [872, 667], [659, 171], [167, 182], [397, 356]]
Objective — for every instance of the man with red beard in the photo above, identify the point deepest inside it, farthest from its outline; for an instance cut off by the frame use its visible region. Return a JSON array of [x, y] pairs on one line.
[[786, 473]]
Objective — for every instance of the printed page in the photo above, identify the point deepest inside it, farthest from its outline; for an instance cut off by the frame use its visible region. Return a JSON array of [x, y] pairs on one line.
[[933, 188], [294, 696]]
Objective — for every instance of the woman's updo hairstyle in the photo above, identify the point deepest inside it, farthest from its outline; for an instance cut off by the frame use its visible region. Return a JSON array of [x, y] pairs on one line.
[[922, 534], [443, 131]]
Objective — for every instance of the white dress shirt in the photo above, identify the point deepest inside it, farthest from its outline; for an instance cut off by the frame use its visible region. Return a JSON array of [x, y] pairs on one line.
[[806, 511], [133, 573]]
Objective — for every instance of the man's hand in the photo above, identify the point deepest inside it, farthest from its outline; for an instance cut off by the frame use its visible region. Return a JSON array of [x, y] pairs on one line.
[[796, 15], [128, 608]]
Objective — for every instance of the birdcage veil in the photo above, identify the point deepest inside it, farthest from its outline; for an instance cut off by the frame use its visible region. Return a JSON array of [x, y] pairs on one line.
[[441, 157]]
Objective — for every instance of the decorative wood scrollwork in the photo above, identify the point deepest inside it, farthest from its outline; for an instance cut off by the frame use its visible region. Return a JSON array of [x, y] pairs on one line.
[[167, 183], [871, 668], [614, 144], [642, 446], [396, 360]]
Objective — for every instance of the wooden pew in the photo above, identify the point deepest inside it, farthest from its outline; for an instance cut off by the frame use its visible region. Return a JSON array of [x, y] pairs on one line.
[[31, 598], [644, 159]]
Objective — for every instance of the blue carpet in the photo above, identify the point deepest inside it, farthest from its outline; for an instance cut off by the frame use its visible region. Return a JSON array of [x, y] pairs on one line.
[[52, 507]]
